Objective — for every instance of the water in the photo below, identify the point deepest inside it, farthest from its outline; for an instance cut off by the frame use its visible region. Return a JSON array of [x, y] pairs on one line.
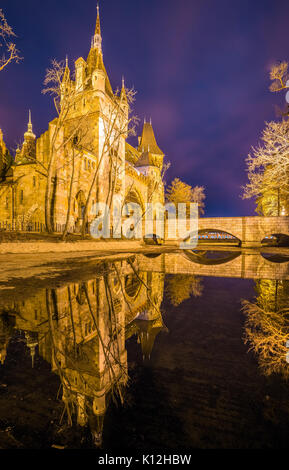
[[151, 352]]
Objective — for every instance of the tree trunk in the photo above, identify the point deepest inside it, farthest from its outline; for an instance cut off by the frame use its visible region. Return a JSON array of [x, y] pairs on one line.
[[69, 199]]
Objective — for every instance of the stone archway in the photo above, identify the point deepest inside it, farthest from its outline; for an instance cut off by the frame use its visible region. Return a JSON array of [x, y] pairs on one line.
[[81, 201], [133, 196]]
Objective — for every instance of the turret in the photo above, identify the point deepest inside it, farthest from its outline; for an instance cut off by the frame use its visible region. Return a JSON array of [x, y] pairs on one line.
[[151, 154], [123, 98], [98, 80], [80, 66], [65, 85], [29, 145]]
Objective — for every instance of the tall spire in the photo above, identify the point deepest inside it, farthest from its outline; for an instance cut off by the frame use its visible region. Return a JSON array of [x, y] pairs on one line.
[[97, 26], [29, 127], [29, 133], [97, 39]]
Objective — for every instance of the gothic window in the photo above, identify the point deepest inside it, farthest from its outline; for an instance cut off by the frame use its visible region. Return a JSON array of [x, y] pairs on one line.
[[7, 202], [34, 181], [21, 196]]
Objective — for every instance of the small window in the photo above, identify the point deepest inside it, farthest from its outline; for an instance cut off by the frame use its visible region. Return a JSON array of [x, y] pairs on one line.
[[34, 181], [21, 195], [7, 202], [85, 164]]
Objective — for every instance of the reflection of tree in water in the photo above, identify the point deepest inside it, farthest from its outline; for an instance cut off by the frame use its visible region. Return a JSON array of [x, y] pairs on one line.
[[181, 287], [81, 329], [267, 326]]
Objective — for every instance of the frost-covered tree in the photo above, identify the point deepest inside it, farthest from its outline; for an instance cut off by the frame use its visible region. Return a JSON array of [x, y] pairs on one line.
[[268, 162], [268, 168]]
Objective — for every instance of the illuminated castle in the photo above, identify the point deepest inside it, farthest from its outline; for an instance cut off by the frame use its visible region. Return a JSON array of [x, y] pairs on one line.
[[23, 179]]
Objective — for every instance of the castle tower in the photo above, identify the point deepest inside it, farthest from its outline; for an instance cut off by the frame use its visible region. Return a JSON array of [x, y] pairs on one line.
[[28, 151], [95, 67], [5, 158], [150, 162]]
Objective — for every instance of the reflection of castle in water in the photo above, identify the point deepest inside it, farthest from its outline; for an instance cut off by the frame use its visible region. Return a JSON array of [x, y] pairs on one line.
[[81, 329]]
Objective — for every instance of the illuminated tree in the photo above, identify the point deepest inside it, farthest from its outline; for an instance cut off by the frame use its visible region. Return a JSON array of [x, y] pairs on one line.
[[10, 53], [268, 168], [268, 163], [180, 192], [267, 326], [182, 287]]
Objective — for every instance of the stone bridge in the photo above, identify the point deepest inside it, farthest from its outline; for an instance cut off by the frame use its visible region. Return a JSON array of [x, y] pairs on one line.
[[250, 231]]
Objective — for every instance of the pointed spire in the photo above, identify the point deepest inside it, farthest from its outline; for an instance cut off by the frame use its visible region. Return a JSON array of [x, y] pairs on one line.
[[29, 127], [97, 26], [148, 140], [97, 39], [123, 96], [66, 75], [29, 132]]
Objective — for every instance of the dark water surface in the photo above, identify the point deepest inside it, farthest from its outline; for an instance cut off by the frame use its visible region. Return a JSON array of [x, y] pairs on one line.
[[151, 353]]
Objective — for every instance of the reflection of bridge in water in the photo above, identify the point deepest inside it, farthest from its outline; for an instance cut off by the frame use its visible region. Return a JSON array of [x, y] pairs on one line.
[[245, 265]]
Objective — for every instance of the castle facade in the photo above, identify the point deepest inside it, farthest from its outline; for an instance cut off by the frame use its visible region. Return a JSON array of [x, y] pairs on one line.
[[136, 177]]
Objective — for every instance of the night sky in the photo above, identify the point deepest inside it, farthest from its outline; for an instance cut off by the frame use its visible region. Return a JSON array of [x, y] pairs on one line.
[[200, 67]]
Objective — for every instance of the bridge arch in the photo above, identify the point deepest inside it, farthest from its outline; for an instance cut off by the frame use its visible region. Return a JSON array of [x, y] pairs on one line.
[[216, 235], [202, 258], [276, 239]]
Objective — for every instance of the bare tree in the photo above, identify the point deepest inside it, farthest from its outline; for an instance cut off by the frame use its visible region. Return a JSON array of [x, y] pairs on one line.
[[6, 34]]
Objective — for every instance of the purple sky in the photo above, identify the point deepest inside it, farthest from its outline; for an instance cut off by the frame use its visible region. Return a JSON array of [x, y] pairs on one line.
[[200, 68]]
